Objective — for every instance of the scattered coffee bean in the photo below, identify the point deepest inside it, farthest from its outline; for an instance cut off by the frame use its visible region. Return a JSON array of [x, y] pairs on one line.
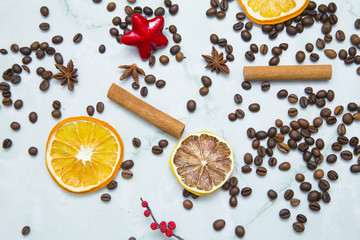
[[261, 171], [7, 143], [33, 151], [25, 230], [136, 142], [164, 59], [274, 61], [128, 164], [246, 35], [219, 225], [284, 166], [187, 204], [272, 194], [56, 113], [33, 117], [239, 231], [112, 185], [105, 197], [284, 213], [126, 174], [314, 206], [57, 39], [90, 110], [77, 38], [355, 168], [330, 53], [111, 6], [254, 107], [246, 85], [102, 48], [314, 57], [157, 150], [144, 91], [298, 227]]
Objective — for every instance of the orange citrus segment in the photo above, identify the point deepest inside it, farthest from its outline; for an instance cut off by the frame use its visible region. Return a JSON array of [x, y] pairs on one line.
[[273, 11], [202, 162], [83, 154]]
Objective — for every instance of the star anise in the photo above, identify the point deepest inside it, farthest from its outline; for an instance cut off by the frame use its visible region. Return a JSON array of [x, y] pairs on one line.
[[68, 75], [131, 70], [216, 62]]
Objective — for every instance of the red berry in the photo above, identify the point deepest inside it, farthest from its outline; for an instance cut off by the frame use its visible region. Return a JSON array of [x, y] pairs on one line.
[[144, 204], [163, 229], [171, 225], [153, 226], [163, 223], [147, 213], [169, 233]]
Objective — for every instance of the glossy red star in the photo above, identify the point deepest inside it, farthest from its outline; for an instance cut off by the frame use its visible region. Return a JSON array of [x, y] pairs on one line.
[[146, 35]]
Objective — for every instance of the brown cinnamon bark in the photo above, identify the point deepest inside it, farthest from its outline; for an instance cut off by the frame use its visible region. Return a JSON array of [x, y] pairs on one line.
[[288, 73], [146, 111]]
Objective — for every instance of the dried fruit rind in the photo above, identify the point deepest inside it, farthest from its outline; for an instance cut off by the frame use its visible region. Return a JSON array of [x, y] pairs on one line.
[[202, 162]]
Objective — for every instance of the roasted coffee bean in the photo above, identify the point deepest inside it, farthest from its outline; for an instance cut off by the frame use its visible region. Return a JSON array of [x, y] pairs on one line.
[[292, 144], [26, 60], [14, 48], [314, 196], [311, 165], [250, 56], [214, 39], [354, 141], [254, 48], [326, 197], [291, 30], [355, 39], [249, 25], [57, 39], [152, 61], [328, 38], [317, 122], [336, 146], [112, 185], [285, 166], [206, 81], [276, 50], [261, 135], [25, 230], [157, 150], [312, 98], [174, 8], [18, 104], [78, 37], [105, 197], [16, 68], [352, 106], [272, 162], [342, 54], [254, 107], [355, 168], [272, 194], [44, 26], [187, 204], [292, 112], [284, 213], [174, 49], [324, 185], [126, 174], [186, 193], [58, 58], [282, 93], [264, 49], [44, 85], [248, 158], [56, 113], [330, 53], [240, 113], [4, 86], [341, 129], [298, 227], [238, 26], [307, 21], [239, 231], [289, 194], [136, 142], [164, 59], [347, 118], [102, 48], [246, 169], [50, 51], [279, 27], [295, 202], [32, 151], [325, 112], [33, 117], [261, 171], [232, 117], [305, 186], [258, 160], [318, 174], [204, 91], [238, 98], [326, 28], [278, 122], [274, 61], [299, 177], [300, 56], [177, 37], [332, 175], [283, 147], [320, 102], [314, 57], [357, 23], [349, 60], [128, 164], [267, 28], [163, 143], [246, 35], [233, 201], [234, 191], [246, 191], [251, 133], [150, 79], [220, 14], [279, 137], [7, 143], [144, 91], [314, 206], [292, 98], [346, 155], [320, 43], [219, 225], [310, 141], [90, 110], [100, 107], [255, 143], [340, 35], [191, 105], [240, 16]]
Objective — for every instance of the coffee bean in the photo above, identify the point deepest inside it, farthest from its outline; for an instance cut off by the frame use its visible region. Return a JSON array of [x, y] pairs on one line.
[[105, 197], [174, 8], [58, 58], [7, 143], [246, 191], [240, 113], [292, 112], [300, 56], [276, 50], [282, 93], [299, 177], [57, 113], [305, 186], [265, 86], [284, 213], [100, 107], [272, 162], [239, 231], [314, 57], [274, 61], [291, 30], [272, 194], [238, 98], [264, 48], [346, 155], [44, 85], [191, 105], [328, 38], [272, 132], [33, 117], [355, 168], [204, 91], [347, 118], [246, 85], [352, 51], [25, 230], [174, 49], [251, 133], [26, 60], [258, 160], [112, 185], [136, 142], [128, 164], [156, 150], [78, 37], [164, 59], [330, 53], [220, 14], [298, 227], [352, 106], [254, 48], [355, 39], [332, 175], [326, 28], [90, 110], [14, 48], [219, 225], [293, 98], [206, 81], [18, 104], [144, 91], [246, 35], [102, 48], [254, 107], [214, 38], [126, 174], [177, 37], [238, 26], [314, 206], [246, 169], [234, 191], [250, 56], [324, 185], [187, 204], [57, 39], [4, 86], [279, 137], [285, 166], [44, 26], [295, 202], [320, 43], [32, 151], [284, 148], [340, 35], [261, 171], [289, 194]]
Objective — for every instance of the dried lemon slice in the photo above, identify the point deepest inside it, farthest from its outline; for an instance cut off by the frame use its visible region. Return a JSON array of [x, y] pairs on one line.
[[273, 11], [83, 154], [202, 162]]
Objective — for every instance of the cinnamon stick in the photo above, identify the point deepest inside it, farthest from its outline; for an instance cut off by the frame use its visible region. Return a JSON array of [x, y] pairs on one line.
[[288, 73], [146, 111]]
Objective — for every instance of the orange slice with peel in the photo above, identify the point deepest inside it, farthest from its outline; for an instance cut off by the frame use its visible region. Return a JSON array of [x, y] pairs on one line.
[[83, 154], [202, 162], [273, 11]]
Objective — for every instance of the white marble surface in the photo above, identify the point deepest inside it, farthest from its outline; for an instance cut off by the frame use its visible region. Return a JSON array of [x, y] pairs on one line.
[[30, 197]]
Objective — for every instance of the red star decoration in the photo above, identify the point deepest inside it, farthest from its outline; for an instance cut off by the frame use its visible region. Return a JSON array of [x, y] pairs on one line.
[[146, 35]]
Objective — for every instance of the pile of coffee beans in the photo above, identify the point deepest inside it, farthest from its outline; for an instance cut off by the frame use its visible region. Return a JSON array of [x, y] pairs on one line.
[[175, 50], [223, 5], [222, 42]]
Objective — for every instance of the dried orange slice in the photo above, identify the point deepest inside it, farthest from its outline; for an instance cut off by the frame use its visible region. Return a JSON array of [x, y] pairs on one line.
[[83, 154], [202, 162], [273, 11]]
